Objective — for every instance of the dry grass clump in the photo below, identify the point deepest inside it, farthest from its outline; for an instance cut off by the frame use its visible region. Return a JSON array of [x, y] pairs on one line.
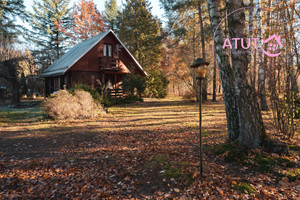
[[63, 105]]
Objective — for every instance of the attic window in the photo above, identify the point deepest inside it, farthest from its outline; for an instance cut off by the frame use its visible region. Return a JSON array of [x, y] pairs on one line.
[[107, 50]]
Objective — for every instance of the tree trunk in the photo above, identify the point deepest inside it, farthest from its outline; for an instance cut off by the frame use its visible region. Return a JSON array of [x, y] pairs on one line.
[[215, 82], [226, 73], [201, 29], [252, 131], [205, 84], [10, 73], [261, 71], [15, 92], [254, 70], [290, 34], [251, 11]]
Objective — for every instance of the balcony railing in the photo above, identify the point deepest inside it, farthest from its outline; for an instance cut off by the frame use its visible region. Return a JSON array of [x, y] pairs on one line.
[[108, 64], [116, 93]]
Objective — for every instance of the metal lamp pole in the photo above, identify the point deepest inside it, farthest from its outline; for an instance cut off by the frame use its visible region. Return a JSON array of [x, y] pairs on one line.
[[200, 122], [199, 66]]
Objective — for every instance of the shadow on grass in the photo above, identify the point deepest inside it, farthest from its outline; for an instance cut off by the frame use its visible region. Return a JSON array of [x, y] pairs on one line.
[[111, 148]]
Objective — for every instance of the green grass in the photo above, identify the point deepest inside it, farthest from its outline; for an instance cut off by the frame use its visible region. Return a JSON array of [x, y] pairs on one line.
[[12, 115], [294, 174], [177, 173], [265, 163], [242, 187], [221, 148], [294, 149], [172, 172], [234, 153], [160, 159], [237, 155], [185, 163]]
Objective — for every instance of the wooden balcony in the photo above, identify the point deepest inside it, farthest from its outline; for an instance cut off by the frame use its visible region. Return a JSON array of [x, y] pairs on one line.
[[108, 64]]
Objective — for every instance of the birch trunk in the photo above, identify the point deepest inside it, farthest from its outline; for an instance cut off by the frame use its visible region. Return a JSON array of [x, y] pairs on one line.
[[290, 34], [251, 126], [251, 11], [263, 99], [226, 73], [215, 82], [261, 72]]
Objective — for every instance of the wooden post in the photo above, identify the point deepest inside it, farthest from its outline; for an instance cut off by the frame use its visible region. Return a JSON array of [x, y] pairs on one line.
[[115, 86]]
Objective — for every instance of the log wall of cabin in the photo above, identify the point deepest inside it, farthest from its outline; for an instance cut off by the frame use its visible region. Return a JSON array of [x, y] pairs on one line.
[[87, 69], [89, 62]]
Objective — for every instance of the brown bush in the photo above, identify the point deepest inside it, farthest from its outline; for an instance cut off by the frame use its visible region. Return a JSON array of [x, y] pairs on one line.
[[64, 105]]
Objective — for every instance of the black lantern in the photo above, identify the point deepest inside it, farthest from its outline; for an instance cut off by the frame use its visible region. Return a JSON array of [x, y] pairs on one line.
[[199, 66]]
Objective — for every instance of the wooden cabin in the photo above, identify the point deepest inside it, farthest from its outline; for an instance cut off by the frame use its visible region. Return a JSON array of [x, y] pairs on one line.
[[103, 58]]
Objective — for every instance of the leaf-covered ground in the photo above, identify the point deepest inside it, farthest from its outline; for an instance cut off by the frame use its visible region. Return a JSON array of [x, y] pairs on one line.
[[143, 150]]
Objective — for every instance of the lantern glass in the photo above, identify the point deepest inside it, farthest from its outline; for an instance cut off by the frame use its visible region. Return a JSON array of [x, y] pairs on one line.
[[199, 66], [201, 71]]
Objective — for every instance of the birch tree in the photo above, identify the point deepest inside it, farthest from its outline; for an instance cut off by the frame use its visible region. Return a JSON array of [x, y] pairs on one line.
[[251, 127], [261, 64], [226, 72]]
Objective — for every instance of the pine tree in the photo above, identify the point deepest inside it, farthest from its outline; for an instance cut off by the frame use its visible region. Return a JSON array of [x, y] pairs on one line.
[[9, 31], [9, 11], [111, 13], [47, 20], [140, 32]]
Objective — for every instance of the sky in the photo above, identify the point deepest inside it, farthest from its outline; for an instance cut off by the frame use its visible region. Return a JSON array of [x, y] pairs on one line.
[[156, 10]]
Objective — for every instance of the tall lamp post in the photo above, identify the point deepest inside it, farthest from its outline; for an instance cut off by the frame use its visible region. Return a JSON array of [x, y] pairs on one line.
[[200, 66]]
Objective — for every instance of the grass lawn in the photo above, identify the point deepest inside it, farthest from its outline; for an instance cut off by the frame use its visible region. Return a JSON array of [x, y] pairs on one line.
[[142, 150]]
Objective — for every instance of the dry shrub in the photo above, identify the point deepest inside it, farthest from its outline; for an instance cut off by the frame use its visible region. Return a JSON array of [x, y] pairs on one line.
[[189, 95], [64, 105]]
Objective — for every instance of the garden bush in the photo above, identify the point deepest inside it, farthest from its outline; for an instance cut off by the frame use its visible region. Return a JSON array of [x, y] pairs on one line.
[[110, 101], [156, 84], [95, 94], [64, 105], [133, 82]]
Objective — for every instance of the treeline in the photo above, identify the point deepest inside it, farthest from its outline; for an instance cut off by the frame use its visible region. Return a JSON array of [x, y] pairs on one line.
[[55, 26], [251, 82]]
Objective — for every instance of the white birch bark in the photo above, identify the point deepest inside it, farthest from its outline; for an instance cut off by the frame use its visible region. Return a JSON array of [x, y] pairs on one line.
[[226, 73]]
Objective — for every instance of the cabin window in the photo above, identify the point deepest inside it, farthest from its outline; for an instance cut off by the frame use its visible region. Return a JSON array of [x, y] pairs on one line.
[[107, 50]]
